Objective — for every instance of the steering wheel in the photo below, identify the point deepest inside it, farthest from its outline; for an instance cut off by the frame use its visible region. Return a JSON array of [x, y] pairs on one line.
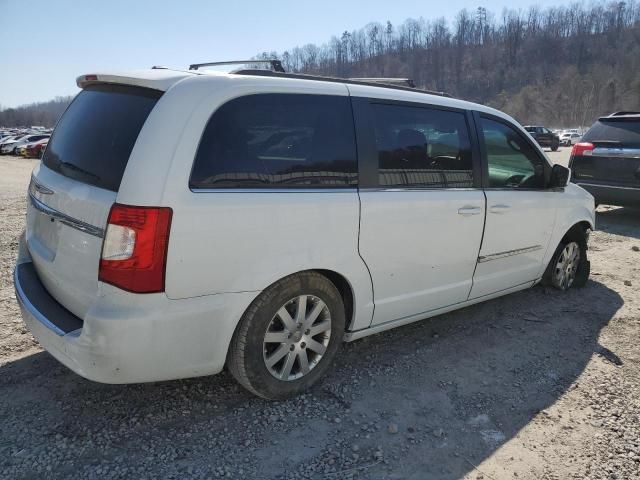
[[515, 180]]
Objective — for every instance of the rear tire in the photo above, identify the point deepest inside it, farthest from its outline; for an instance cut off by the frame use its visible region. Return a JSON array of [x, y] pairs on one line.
[[563, 271], [288, 337]]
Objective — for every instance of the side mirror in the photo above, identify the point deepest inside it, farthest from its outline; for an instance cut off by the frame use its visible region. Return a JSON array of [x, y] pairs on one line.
[[559, 176]]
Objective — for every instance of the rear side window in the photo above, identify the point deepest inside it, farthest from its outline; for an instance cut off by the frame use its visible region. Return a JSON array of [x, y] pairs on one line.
[[278, 141], [626, 132], [94, 138], [422, 147]]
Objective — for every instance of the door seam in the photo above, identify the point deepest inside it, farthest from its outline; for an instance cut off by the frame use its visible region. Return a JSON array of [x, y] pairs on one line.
[[484, 226]]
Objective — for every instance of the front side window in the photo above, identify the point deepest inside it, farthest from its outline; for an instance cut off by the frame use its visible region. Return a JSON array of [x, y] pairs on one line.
[[512, 161], [278, 141], [422, 147]]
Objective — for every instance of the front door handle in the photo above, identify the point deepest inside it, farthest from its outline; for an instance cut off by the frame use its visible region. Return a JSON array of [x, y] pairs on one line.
[[499, 209], [468, 210]]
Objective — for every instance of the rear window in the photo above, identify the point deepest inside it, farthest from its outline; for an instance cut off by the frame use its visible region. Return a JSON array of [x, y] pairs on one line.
[[626, 132], [94, 138], [278, 141]]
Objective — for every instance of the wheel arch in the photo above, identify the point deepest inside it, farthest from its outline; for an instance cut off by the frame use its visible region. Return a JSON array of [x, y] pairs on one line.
[[346, 292], [341, 283], [577, 225], [577, 229]]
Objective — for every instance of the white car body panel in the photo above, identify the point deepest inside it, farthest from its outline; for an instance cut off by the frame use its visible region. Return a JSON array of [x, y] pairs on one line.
[[66, 258], [516, 221], [128, 338], [416, 264], [406, 255]]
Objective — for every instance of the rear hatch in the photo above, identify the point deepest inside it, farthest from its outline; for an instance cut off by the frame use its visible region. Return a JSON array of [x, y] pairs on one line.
[[72, 191], [609, 153]]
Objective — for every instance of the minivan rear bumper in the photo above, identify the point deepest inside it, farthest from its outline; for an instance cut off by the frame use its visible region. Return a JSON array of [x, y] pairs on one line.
[[151, 338]]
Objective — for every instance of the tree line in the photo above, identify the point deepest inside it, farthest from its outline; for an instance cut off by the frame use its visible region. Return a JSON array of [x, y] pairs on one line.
[[560, 66], [44, 114]]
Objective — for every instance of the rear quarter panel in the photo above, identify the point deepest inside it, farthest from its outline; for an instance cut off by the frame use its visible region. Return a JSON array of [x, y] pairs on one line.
[[240, 241]]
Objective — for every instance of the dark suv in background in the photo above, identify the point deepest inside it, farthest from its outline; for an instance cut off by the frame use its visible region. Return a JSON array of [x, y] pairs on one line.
[[544, 136], [607, 160]]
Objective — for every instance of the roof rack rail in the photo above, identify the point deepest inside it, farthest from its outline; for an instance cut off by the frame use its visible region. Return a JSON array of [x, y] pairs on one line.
[[617, 114], [275, 64], [403, 82], [304, 76]]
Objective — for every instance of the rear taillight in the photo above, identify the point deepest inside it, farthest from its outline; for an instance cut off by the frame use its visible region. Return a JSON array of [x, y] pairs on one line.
[[134, 252], [582, 148]]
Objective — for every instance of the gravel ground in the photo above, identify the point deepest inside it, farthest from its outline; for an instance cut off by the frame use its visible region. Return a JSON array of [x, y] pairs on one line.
[[535, 385]]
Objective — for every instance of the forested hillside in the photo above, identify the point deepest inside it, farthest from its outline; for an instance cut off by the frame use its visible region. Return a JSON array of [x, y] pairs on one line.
[[43, 113], [560, 66]]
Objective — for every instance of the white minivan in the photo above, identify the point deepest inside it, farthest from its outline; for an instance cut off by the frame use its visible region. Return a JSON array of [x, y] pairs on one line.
[[184, 221]]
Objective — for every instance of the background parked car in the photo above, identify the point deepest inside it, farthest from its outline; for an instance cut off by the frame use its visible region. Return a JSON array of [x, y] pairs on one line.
[[607, 160], [13, 146], [569, 138], [36, 149], [544, 136]]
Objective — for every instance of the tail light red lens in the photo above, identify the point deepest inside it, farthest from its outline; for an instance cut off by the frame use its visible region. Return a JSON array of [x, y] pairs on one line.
[[134, 252], [582, 148]]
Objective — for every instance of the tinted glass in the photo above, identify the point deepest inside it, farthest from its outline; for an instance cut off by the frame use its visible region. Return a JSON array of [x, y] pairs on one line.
[[94, 138], [626, 132], [278, 141], [422, 147], [513, 163]]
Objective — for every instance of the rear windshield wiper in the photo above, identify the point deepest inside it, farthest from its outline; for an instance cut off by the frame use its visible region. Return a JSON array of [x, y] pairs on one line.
[[77, 169]]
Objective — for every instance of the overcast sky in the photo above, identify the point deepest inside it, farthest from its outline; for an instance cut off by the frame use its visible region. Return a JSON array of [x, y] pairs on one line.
[[46, 44]]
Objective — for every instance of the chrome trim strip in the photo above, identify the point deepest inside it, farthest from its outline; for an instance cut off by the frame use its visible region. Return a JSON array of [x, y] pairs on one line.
[[600, 185], [616, 152], [508, 253], [66, 219], [40, 188], [27, 305], [275, 190], [420, 189]]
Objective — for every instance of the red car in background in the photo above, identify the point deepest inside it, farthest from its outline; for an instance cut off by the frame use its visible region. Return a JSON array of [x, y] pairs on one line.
[[36, 149]]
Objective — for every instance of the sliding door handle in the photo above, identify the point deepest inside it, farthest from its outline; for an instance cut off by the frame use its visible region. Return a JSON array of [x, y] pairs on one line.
[[468, 210], [499, 209]]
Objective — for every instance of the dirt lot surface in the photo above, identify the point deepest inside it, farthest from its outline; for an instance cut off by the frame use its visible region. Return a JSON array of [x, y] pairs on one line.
[[535, 385]]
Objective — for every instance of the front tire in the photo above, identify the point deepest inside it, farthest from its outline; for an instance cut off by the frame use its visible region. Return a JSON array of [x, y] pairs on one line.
[[288, 337], [569, 267]]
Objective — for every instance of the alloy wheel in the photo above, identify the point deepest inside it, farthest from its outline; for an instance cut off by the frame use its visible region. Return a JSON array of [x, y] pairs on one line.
[[567, 266], [297, 337]]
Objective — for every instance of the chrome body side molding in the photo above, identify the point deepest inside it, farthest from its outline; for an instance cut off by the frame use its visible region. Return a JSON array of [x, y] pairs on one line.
[[508, 253]]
